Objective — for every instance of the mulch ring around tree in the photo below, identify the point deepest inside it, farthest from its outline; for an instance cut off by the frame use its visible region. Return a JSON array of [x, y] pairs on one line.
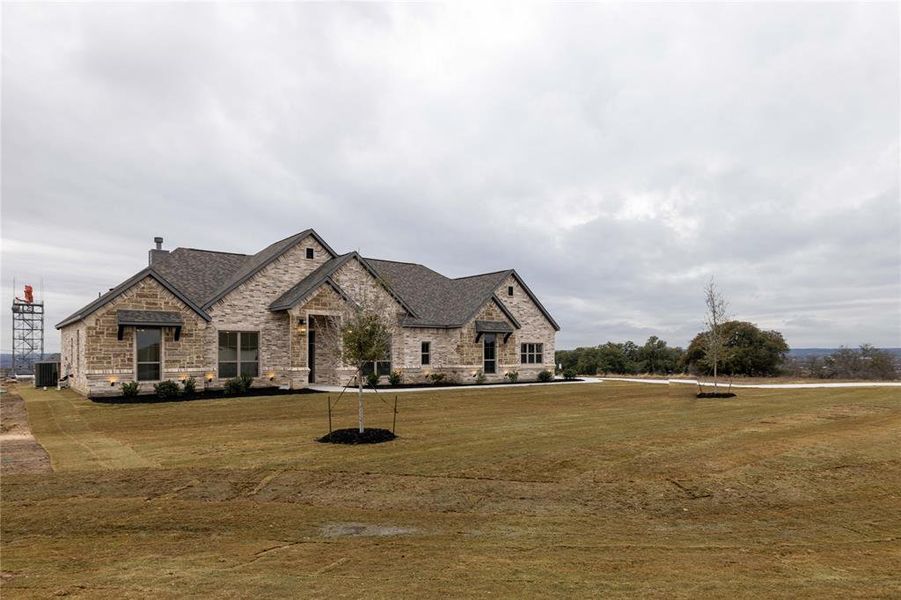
[[716, 395], [353, 436]]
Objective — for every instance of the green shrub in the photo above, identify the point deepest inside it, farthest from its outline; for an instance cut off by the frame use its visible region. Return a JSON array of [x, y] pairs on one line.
[[130, 389], [190, 386], [246, 382], [545, 376], [437, 378], [166, 389], [372, 379], [395, 378], [235, 385], [569, 374], [480, 377], [512, 376]]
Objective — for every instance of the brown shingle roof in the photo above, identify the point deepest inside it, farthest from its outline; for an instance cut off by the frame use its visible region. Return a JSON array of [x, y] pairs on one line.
[[202, 277]]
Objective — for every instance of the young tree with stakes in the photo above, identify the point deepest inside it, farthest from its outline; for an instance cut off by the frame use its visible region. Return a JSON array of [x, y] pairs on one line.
[[714, 319], [365, 339]]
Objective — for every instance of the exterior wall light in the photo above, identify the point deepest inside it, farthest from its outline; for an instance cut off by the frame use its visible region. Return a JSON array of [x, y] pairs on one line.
[[113, 381], [209, 377]]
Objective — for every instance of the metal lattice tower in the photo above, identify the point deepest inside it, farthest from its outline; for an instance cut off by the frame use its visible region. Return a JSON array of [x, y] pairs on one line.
[[28, 335]]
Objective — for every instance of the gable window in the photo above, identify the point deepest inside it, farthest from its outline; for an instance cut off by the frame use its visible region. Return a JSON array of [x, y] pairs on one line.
[[309, 253], [239, 353], [531, 354], [147, 353], [490, 354], [509, 290], [426, 353]]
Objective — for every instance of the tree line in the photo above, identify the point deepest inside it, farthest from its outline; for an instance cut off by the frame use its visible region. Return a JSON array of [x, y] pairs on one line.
[[745, 350], [726, 347]]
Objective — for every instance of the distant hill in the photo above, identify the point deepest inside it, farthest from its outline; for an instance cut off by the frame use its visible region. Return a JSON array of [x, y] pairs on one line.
[[807, 352], [6, 359]]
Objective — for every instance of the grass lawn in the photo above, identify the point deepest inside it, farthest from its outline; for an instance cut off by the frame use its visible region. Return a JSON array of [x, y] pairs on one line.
[[587, 490]]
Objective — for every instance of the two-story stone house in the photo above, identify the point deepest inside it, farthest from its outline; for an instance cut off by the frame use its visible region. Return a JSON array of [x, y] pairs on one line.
[[274, 315]]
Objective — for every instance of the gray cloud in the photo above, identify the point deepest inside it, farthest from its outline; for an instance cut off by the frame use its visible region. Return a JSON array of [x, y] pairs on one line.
[[616, 155]]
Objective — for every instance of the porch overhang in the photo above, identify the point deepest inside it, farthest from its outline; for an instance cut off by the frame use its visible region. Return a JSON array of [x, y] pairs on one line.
[[149, 318], [501, 327]]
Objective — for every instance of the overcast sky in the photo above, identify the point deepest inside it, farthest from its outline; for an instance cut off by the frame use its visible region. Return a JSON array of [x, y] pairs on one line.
[[616, 155]]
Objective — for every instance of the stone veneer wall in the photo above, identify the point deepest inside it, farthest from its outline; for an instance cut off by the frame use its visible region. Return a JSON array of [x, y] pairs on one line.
[[72, 359], [329, 307], [104, 359], [535, 328], [246, 308], [472, 353], [443, 353], [364, 289]]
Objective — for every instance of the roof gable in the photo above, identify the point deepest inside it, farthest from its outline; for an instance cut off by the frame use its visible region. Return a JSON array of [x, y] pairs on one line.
[[323, 274], [257, 262], [111, 295], [535, 300]]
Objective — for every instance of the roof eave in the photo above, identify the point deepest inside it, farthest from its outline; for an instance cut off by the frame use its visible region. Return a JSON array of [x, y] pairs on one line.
[[535, 299]]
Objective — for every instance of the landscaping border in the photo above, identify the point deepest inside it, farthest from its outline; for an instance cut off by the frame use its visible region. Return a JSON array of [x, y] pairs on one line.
[[203, 395]]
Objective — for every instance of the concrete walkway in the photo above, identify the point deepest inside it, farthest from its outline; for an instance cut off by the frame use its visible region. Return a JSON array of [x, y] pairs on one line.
[[336, 389], [761, 386], [333, 389]]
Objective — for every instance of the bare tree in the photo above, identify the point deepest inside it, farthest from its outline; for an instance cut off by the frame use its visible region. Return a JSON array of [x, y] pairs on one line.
[[714, 319]]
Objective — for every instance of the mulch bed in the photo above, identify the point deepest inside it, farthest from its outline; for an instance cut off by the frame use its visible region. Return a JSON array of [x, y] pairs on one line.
[[353, 436], [716, 395], [201, 395]]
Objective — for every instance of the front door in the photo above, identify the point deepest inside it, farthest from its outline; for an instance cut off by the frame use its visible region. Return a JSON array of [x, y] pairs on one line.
[[311, 354]]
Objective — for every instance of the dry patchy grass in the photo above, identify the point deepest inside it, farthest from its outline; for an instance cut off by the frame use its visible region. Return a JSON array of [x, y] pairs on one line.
[[578, 490]]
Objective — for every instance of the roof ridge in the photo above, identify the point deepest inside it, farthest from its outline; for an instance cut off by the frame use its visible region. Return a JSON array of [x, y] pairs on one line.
[[307, 231], [400, 262], [406, 262], [211, 251], [483, 274]]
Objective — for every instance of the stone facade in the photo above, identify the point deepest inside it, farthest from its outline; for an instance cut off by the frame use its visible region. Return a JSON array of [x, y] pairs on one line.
[[534, 328], [246, 308], [98, 363], [72, 358]]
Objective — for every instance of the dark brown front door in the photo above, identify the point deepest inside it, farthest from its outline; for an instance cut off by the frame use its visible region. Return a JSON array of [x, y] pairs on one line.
[[311, 354]]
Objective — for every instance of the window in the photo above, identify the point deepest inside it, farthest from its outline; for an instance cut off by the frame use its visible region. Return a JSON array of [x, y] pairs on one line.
[[239, 353], [531, 354], [426, 353], [309, 253], [490, 354], [382, 366], [509, 290], [147, 350]]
